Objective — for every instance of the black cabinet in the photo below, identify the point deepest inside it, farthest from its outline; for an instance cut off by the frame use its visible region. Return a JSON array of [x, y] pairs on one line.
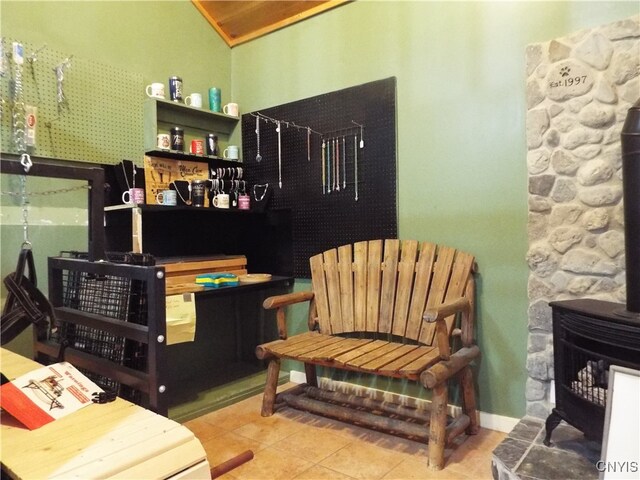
[[220, 366]]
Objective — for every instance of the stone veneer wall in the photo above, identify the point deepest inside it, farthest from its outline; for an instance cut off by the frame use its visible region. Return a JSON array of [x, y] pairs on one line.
[[579, 89]]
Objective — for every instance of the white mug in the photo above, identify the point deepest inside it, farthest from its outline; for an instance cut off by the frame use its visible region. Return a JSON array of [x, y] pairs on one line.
[[155, 90], [221, 200], [193, 100], [163, 141], [230, 153], [231, 109], [167, 197]]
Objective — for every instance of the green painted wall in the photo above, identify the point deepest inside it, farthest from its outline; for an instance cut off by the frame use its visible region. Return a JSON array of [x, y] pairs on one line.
[[152, 39], [460, 132], [460, 69], [157, 39]]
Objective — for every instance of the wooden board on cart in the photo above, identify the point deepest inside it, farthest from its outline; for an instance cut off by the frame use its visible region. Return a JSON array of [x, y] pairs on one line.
[[159, 173], [180, 276]]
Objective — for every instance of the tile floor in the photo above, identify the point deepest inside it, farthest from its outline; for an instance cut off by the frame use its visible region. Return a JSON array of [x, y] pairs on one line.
[[299, 445]]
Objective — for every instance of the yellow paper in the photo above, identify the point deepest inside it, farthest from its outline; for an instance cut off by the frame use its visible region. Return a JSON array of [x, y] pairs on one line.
[[181, 318]]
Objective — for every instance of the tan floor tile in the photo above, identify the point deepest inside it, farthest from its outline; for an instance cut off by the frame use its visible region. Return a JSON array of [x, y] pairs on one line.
[[318, 472], [410, 469], [312, 443], [201, 429], [269, 430], [362, 461], [301, 445], [226, 446], [399, 445], [473, 446], [236, 415], [226, 476], [271, 464]]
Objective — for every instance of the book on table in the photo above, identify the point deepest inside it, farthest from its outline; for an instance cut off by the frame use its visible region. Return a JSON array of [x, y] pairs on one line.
[[47, 394]]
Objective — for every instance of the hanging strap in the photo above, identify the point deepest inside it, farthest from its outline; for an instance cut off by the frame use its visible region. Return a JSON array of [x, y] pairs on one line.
[[25, 259], [25, 304]]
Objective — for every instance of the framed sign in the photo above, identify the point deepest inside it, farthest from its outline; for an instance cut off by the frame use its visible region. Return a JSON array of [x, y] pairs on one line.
[[159, 173]]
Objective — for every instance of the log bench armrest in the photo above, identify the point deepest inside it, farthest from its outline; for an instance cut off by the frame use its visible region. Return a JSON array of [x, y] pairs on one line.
[[460, 304], [444, 370], [282, 301], [438, 315], [278, 301]]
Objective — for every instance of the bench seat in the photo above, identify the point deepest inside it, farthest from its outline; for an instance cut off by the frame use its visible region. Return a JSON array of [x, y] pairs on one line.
[[387, 358]]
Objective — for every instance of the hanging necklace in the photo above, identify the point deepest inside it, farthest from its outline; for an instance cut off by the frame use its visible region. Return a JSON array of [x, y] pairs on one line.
[[279, 154], [344, 165], [338, 164], [264, 192], [258, 156], [355, 153], [126, 176], [323, 167], [329, 153], [186, 202]]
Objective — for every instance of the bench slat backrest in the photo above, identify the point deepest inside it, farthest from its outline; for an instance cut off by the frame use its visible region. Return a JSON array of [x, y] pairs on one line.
[[385, 286]]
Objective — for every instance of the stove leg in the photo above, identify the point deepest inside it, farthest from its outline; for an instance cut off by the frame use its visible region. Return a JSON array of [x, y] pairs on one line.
[[552, 422]]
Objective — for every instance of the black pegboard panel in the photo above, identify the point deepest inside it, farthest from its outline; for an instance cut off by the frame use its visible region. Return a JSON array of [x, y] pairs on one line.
[[324, 220]]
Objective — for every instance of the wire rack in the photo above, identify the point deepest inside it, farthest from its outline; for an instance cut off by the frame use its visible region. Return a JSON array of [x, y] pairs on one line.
[[111, 296]]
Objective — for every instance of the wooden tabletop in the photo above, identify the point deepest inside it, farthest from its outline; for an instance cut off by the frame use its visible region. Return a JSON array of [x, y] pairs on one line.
[[112, 440]]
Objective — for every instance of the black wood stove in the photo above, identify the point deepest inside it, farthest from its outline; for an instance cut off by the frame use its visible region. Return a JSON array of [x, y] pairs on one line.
[[590, 335]]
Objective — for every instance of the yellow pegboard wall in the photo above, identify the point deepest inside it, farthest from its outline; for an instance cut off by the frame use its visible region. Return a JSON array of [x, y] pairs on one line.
[[101, 120]]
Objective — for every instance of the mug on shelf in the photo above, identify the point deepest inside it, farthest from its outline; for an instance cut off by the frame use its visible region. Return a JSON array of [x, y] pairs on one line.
[[231, 109], [167, 197], [193, 100], [214, 99], [212, 144], [197, 147], [155, 90], [177, 139], [133, 196], [230, 153], [175, 89], [198, 192], [244, 202], [221, 200], [163, 141]]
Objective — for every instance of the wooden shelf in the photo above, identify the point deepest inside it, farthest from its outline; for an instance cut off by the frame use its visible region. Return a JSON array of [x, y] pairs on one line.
[[164, 111], [144, 208], [176, 155]]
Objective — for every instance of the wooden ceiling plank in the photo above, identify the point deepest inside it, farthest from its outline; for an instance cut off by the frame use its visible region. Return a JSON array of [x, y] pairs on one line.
[[288, 21], [238, 22], [212, 21]]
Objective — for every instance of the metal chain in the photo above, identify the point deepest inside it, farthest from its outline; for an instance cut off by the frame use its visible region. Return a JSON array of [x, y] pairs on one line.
[[48, 192], [25, 211]]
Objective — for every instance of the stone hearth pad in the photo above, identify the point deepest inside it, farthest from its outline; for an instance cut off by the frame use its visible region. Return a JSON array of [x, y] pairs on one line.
[[523, 456]]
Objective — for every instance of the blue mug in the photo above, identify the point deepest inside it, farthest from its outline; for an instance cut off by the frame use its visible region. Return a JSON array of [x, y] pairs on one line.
[[175, 89], [214, 99]]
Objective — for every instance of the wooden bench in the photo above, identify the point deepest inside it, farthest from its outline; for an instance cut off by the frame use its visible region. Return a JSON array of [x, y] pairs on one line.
[[386, 308]]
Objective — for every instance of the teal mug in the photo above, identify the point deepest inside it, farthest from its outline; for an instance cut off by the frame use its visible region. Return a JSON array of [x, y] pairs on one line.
[[214, 99]]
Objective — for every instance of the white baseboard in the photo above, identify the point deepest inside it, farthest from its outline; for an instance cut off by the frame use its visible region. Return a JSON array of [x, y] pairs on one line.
[[490, 421]]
